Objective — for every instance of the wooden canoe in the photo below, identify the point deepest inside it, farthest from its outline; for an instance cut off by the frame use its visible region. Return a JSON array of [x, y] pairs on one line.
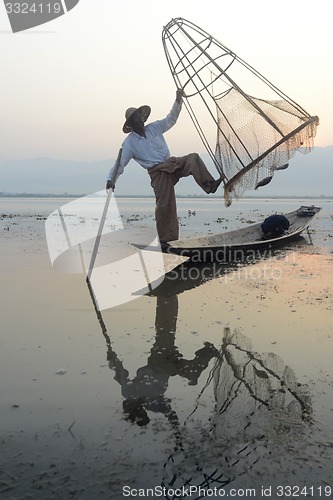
[[240, 243]]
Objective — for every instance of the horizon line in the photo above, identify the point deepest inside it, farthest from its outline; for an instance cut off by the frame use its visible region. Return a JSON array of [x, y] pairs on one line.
[[80, 195]]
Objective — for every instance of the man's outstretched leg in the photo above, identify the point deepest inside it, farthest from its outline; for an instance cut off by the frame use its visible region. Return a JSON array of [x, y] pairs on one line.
[[192, 164]]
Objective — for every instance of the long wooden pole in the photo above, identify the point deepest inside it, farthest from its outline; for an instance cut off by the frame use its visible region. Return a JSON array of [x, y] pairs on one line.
[[98, 239]]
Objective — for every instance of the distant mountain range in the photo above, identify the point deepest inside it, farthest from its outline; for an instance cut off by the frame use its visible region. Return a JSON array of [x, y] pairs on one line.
[[307, 175]]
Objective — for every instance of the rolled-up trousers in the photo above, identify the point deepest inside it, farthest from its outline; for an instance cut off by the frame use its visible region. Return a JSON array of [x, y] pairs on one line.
[[163, 179]]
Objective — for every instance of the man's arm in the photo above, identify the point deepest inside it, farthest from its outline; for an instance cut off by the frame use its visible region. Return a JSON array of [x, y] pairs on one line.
[[169, 121], [124, 156], [114, 173]]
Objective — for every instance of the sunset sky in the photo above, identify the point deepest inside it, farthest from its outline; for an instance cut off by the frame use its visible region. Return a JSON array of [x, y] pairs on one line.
[[65, 85]]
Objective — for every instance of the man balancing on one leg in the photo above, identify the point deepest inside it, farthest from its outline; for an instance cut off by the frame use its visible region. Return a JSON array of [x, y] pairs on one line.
[[146, 145]]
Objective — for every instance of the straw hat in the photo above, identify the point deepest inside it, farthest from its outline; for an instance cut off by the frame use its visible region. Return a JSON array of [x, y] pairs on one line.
[[144, 112]]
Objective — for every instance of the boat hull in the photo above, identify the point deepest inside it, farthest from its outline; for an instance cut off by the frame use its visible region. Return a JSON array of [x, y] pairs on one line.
[[243, 243]]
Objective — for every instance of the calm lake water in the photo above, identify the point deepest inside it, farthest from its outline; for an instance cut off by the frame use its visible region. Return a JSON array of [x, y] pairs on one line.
[[199, 384]]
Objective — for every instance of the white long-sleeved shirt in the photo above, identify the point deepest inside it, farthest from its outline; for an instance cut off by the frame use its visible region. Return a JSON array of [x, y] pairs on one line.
[[150, 150]]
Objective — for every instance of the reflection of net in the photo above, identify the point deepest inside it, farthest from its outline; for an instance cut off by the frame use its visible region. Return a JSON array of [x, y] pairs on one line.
[[260, 410], [258, 400], [256, 136], [259, 403]]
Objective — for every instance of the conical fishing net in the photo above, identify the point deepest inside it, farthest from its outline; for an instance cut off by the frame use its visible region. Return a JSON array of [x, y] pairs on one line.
[[248, 138]]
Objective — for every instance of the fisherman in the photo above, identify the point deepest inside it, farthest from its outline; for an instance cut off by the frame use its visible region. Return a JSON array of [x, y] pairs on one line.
[[146, 145]]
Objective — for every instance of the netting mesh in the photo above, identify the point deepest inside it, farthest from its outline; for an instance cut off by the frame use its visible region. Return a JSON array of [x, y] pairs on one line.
[[256, 137], [248, 139]]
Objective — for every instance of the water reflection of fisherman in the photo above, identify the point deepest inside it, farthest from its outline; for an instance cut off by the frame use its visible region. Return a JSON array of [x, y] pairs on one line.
[[146, 391]]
